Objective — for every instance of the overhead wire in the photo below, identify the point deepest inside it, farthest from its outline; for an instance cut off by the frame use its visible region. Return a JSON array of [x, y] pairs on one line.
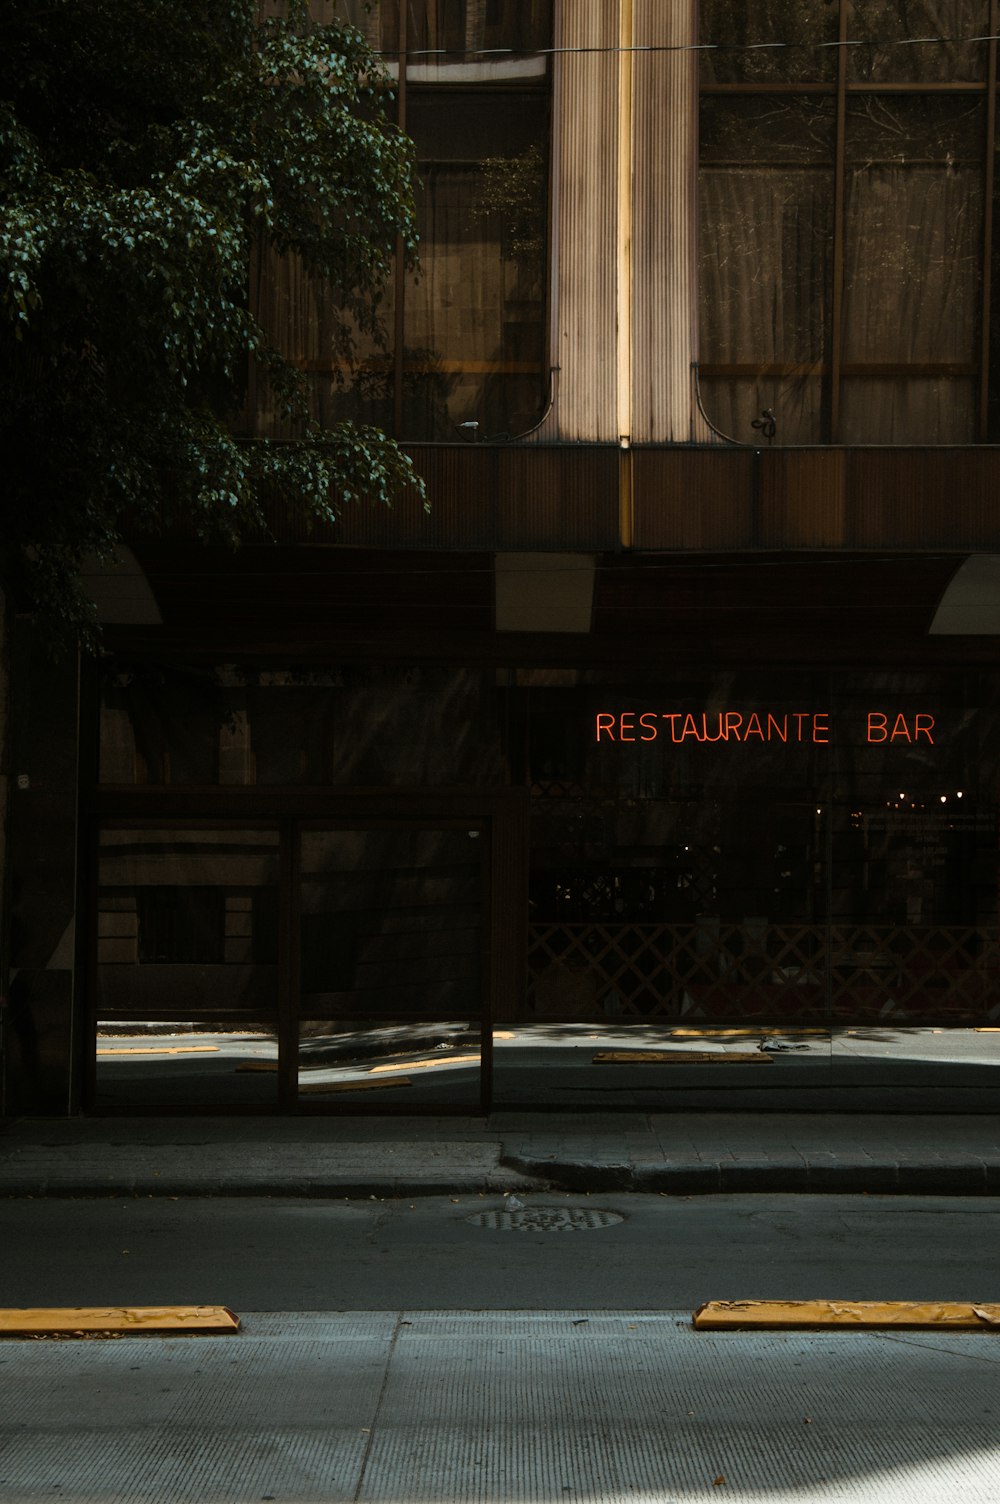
[[728, 47]]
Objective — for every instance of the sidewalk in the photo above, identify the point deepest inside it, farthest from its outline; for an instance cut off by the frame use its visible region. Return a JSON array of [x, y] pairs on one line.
[[505, 1405], [675, 1153]]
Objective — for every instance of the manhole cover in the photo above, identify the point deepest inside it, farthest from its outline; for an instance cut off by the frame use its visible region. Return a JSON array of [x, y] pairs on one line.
[[546, 1219]]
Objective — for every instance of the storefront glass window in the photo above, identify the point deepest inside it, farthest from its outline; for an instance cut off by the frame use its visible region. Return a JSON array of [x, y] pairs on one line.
[[358, 725], [186, 967]]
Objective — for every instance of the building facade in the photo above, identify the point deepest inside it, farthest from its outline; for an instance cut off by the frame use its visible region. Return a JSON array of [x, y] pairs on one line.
[[655, 762]]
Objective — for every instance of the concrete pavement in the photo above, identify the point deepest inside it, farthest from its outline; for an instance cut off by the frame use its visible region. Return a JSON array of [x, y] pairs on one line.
[[407, 1406], [682, 1153]]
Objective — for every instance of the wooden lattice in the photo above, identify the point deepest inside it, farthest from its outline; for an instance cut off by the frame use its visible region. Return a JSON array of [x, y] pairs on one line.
[[735, 972]]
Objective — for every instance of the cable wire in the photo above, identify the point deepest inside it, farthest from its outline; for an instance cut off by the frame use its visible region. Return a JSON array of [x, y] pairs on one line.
[[727, 47]]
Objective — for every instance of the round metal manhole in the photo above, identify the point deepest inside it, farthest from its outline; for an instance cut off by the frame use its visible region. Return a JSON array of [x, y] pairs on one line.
[[546, 1219]]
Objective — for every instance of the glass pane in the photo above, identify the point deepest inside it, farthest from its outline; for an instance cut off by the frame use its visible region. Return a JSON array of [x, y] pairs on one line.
[[390, 923], [913, 241], [376, 725], [399, 1062], [468, 41], [771, 41], [183, 1064], [187, 918], [926, 410], [355, 724], [652, 1066], [766, 206], [463, 25], [734, 405], [346, 354], [181, 726], [688, 865], [914, 1060], [475, 311], [892, 52]]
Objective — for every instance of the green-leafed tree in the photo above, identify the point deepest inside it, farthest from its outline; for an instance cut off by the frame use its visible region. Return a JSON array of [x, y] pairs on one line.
[[149, 151]]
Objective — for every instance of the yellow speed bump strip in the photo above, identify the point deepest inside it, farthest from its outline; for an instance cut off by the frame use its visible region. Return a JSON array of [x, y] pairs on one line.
[[680, 1057], [748, 1031], [417, 1065], [171, 1049], [718, 1315], [86, 1321]]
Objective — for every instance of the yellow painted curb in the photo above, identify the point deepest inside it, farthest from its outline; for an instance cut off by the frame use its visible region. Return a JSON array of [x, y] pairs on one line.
[[257, 1065], [748, 1031], [743, 1315], [680, 1057], [417, 1065], [87, 1320], [172, 1049], [366, 1084]]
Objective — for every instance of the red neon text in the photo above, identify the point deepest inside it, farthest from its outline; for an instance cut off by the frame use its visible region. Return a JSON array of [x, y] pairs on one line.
[[903, 729], [754, 726], [717, 726]]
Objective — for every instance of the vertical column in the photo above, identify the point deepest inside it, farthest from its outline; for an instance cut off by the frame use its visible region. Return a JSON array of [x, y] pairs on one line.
[[665, 218], [625, 184], [585, 206], [837, 296]]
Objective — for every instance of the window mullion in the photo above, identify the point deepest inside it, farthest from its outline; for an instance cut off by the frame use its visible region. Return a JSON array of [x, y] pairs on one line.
[[988, 172], [399, 273], [837, 295]]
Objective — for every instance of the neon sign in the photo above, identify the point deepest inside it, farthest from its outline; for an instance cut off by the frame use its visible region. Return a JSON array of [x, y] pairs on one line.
[[755, 725]]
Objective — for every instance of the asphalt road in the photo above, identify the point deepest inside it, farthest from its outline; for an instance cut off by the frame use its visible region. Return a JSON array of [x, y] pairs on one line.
[[666, 1254]]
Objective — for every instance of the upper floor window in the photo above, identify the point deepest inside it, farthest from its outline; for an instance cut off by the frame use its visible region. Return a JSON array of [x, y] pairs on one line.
[[846, 221], [461, 352]]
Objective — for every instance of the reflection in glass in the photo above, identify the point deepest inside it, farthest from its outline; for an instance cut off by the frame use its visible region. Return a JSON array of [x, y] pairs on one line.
[[350, 1061], [912, 270], [910, 240], [566, 1062], [390, 923], [766, 207], [187, 921], [458, 27], [476, 106], [890, 55], [184, 1064], [475, 308], [893, 1055], [768, 884], [914, 227], [771, 41]]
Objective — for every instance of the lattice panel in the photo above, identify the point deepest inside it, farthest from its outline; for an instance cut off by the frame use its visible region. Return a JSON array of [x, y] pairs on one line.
[[742, 972]]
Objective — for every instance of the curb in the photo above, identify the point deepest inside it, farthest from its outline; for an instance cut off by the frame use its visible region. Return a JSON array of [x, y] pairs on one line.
[[519, 1172], [889, 1177]]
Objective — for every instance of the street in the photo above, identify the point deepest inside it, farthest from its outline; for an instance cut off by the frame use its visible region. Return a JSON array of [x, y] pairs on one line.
[[668, 1253]]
